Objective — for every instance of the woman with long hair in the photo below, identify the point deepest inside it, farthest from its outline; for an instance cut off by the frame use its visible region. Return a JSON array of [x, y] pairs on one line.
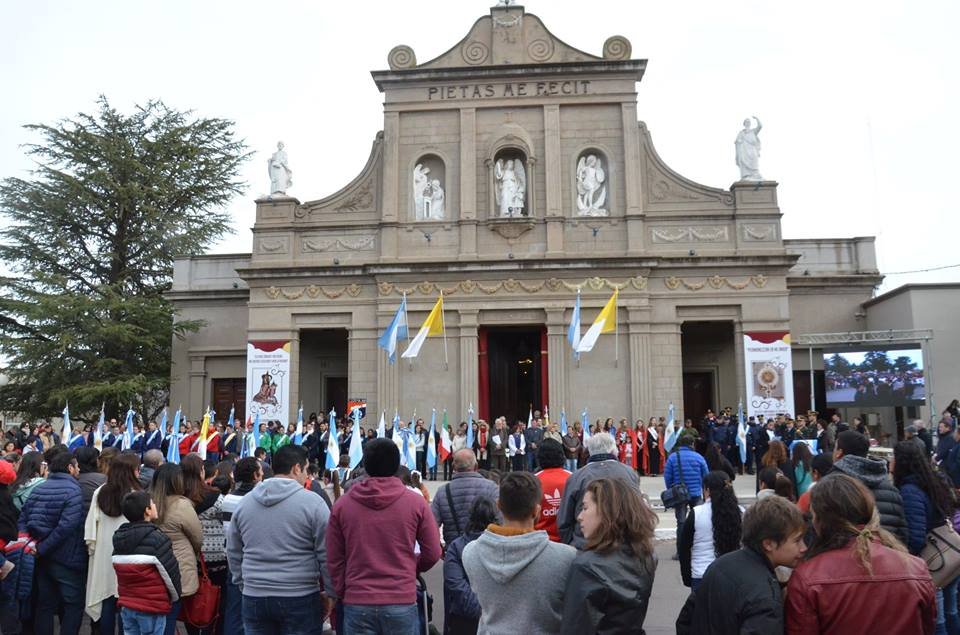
[[712, 528], [857, 577], [106, 458], [716, 461], [31, 472], [460, 606], [178, 520], [654, 448], [208, 504], [102, 521], [928, 501], [609, 584], [775, 456], [801, 472]]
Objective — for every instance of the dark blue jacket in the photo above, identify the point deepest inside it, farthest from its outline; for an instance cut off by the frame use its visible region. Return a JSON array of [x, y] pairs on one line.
[[920, 512], [53, 515], [694, 469], [458, 598]]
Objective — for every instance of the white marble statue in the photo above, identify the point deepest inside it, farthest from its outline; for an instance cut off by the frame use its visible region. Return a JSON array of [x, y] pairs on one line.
[[421, 185], [511, 183], [748, 151], [436, 211], [280, 173], [591, 186]]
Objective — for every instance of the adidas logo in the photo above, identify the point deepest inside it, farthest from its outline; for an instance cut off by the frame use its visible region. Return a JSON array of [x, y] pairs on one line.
[[553, 501]]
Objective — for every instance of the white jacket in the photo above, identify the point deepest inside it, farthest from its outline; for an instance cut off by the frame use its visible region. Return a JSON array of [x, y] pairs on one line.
[[512, 449]]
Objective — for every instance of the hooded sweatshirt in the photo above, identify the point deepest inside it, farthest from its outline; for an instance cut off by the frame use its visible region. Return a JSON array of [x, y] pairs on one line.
[[519, 581], [370, 542], [873, 474], [276, 541]]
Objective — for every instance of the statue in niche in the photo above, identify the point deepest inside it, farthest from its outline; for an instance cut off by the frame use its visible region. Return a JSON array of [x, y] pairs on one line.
[[748, 151], [591, 186], [428, 196], [281, 177], [511, 182]]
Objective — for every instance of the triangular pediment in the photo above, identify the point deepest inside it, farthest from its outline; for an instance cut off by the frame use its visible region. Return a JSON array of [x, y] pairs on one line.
[[509, 36]]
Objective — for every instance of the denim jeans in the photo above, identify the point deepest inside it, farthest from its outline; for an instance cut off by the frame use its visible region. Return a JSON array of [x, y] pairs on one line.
[[386, 619], [171, 625], [232, 616], [138, 623], [59, 587], [110, 617], [277, 615], [571, 465], [948, 622], [531, 460], [680, 511]]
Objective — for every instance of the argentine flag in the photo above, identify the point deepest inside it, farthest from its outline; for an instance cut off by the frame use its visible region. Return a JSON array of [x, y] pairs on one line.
[[98, 435], [173, 448], [470, 427], [333, 443], [356, 441], [382, 426], [563, 421], [431, 441], [128, 432], [573, 333], [671, 431], [741, 434], [67, 433], [395, 332], [298, 433], [585, 424]]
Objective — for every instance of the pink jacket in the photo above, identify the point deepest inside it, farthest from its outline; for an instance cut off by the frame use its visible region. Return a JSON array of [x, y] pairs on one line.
[[370, 542]]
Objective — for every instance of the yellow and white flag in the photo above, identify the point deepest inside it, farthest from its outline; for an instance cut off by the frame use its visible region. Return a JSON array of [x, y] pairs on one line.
[[433, 325], [606, 322], [202, 437]]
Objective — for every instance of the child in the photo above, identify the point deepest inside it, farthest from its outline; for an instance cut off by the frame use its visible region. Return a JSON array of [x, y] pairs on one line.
[[148, 577]]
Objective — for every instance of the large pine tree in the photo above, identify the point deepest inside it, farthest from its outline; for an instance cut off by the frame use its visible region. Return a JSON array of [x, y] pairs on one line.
[[89, 241]]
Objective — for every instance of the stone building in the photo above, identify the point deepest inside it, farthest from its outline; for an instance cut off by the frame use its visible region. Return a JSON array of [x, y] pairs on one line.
[[511, 172]]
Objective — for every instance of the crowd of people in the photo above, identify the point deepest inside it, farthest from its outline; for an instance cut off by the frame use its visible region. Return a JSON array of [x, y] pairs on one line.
[[559, 540]]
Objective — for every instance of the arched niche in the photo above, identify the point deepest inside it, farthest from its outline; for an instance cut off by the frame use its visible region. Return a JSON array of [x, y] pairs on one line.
[[592, 191], [511, 156], [428, 188]]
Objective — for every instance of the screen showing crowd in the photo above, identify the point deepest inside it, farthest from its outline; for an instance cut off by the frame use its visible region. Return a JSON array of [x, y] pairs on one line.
[[874, 377]]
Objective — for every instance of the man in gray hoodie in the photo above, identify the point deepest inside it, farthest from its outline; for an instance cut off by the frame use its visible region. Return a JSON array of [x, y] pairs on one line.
[[517, 574], [276, 549]]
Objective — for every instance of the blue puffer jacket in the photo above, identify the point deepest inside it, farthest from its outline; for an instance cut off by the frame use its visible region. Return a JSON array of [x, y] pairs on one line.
[[694, 469], [53, 516], [920, 512], [458, 598]]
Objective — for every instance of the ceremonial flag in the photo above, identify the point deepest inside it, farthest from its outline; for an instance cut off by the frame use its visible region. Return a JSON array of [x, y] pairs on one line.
[[128, 431], [431, 441], [396, 331], [256, 431], [446, 445], [546, 417], [470, 427], [563, 421], [229, 421], [204, 431], [245, 438], [298, 433], [173, 448], [98, 434], [382, 426], [67, 433], [741, 434], [397, 437], [163, 424], [356, 441], [333, 443], [573, 333], [585, 424], [530, 416], [606, 322], [671, 431], [410, 447], [433, 325]]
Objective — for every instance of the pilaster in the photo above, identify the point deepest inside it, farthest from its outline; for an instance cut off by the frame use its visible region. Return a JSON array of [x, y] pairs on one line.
[[469, 362], [557, 355]]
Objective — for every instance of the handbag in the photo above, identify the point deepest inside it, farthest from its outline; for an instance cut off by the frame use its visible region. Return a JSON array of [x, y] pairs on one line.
[[202, 608], [942, 554], [677, 494]]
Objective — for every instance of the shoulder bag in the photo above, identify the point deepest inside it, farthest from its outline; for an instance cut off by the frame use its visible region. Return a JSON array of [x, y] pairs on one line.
[[678, 494], [942, 554], [203, 607]]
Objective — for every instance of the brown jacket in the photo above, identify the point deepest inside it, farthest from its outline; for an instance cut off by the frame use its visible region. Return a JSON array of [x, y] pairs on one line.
[[182, 527]]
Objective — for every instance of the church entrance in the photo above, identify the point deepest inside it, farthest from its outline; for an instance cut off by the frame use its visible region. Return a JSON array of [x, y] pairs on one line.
[[512, 373]]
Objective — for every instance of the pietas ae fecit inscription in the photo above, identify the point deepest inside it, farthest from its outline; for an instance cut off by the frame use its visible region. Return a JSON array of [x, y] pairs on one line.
[[510, 89]]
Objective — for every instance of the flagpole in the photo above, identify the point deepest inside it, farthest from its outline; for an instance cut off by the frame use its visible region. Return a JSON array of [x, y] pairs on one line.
[[577, 355], [616, 331], [443, 325], [406, 319]]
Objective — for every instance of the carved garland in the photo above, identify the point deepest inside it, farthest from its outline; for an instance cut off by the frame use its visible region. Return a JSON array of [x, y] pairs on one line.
[[716, 282], [313, 291], [364, 242], [512, 286]]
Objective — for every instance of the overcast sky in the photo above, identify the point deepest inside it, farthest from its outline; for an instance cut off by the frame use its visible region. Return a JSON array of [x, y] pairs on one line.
[[859, 100]]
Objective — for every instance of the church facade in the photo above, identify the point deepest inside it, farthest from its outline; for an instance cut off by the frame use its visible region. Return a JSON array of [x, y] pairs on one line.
[[512, 174]]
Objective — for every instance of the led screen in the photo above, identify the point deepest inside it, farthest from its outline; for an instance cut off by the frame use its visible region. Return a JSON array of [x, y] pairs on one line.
[[874, 377]]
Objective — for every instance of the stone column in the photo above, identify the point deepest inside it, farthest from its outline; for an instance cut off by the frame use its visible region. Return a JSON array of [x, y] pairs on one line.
[[557, 355], [738, 356], [294, 400], [390, 198], [633, 177], [553, 179], [468, 183], [198, 384], [641, 368], [667, 363], [469, 386]]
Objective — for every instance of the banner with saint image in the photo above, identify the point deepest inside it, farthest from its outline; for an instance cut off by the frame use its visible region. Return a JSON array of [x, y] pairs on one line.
[[268, 380], [767, 358]]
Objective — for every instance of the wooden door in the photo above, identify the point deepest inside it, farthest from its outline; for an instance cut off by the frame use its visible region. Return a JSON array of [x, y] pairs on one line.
[[336, 395], [230, 393], [697, 395]]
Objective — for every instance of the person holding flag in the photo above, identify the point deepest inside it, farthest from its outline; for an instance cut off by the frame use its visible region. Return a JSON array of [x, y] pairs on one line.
[[742, 431], [203, 435], [173, 439], [445, 448], [431, 444], [356, 440], [333, 443]]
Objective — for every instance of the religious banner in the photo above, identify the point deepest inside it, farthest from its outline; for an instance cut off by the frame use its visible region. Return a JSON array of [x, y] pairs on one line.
[[268, 380], [767, 359]]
